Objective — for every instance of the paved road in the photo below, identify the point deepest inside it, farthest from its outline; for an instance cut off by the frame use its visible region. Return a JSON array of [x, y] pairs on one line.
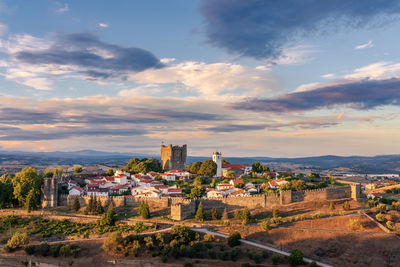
[[255, 244]]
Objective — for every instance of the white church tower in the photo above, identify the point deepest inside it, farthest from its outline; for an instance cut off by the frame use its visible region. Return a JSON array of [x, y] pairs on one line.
[[217, 158]]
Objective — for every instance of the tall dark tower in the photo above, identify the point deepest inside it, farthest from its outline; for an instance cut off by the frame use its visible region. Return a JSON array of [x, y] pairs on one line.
[[50, 192], [173, 157]]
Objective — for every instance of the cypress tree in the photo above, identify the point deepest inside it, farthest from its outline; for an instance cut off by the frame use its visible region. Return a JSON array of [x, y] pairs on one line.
[[199, 213], [246, 215], [76, 205], [144, 210], [224, 216]]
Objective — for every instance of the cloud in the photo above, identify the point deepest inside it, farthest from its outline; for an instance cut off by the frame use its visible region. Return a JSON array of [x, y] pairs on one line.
[[378, 70], [82, 55], [361, 95], [103, 25], [63, 9], [211, 81], [261, 29], [369, 44]]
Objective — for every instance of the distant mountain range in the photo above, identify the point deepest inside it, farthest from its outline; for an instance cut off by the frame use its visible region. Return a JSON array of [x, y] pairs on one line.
[[359, 164]]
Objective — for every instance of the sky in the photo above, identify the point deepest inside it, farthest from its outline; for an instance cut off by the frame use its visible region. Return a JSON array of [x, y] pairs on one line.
[[286, 78]]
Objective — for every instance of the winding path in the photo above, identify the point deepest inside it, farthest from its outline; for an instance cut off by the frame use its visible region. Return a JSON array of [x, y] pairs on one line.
[[255, 244]]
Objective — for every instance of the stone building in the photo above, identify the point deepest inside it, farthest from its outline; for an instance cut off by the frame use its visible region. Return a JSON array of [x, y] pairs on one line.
[[50, 192], [173, 157]]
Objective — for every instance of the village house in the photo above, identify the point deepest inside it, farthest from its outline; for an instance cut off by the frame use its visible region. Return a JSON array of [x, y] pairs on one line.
[[224, 186], [168, 177], [98, 192], [75, 191], [119, 189]]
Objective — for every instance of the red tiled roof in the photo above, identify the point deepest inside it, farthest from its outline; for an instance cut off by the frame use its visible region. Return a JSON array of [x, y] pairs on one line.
[[77, 188], [238, 181], [175, 190], [236, 166]]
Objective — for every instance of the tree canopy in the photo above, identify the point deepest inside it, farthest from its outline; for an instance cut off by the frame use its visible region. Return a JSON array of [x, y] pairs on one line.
[[27, 188], [194, 167], [208, 168], [258, 167], [143, 165]]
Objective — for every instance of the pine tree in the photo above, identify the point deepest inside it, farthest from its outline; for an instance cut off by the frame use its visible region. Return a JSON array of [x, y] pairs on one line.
[[331, 206], [199, 213], [94, 205], [108, 218], [144, 210], [224, 216], [275, 213], [346, 205], [76, 205], [246, 215], [214, 214], [89, 207], [99, 208]]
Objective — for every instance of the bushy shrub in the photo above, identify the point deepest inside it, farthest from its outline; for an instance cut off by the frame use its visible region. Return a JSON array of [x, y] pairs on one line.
[[135, 248], [209, 237], [164, 258], [214, 214], [234, 254], [187, 264], [112, 242], [313, 264], [380, 217], [382, 208], [265, 254], [212, 253], [44, 249], [265, 225], [234, 239], [390, 225], [355, 224], [17, 240], [30, 249], [296, 257], [183, 234], [276, 259], [55, 250], [276, 213]]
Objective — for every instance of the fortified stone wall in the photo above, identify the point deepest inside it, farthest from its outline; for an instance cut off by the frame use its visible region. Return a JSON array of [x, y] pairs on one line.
[[181, 211]]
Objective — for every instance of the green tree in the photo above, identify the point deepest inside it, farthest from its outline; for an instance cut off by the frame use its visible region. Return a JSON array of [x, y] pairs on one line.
[[225, 161], [194, 167], [27, 182], [58, 171], [208, 168], [256, 167], [234, 239], [213, 183], [32, 200], [214, 214], [196, 192], [143, 165], [296, 257], [6, 191], [144, 210], [18, 239], [346, 205], [246, 215], [110, 172], [112, 243], [224, 216], [78, 169], [108, 218], [76, 205], [265, 225], [276, 213], [199, 213], [99, 208], [48, 173], [198, 181]]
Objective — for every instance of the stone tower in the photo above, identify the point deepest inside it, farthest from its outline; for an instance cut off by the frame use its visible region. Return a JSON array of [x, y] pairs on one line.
[[173, 157], [50, 192], [217, 158]]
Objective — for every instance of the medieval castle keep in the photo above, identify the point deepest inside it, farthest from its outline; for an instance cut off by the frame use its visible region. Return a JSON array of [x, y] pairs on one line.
[[50, 192], [173, 157]]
